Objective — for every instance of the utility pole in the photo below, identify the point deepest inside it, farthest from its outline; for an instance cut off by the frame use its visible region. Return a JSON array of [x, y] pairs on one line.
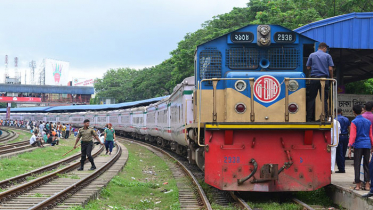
[[6, 74], [32, 66], [16, 74]]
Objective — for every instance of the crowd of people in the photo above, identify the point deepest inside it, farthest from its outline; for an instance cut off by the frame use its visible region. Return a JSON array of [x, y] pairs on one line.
[[49, 132], [356, 137]]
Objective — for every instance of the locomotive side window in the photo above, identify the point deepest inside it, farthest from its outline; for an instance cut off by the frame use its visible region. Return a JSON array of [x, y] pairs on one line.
[[210, 64], [283, 58], [242, 58]]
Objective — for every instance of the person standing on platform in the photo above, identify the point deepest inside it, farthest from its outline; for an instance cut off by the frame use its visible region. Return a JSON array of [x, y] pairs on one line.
[[58, 129], [321, 65], [63, 130], [41, 128], [85, 134], [362, 139], [336, 130], [368, 111], [109, 138], [343, 141], [67, 131]]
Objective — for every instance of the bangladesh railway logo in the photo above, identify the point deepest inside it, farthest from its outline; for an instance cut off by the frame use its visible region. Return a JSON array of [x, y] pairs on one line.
[[267, 89]]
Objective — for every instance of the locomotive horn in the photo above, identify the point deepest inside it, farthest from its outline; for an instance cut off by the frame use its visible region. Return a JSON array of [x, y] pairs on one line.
[[264, 63]]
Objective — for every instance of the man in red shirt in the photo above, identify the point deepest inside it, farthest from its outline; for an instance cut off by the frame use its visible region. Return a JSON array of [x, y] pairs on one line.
[[361, 139]]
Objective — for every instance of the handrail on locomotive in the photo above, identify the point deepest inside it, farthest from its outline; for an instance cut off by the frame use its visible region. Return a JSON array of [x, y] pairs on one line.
[[332, 98]]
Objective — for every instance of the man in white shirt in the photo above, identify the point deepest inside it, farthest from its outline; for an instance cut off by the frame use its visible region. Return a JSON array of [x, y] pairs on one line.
[[335, 131], [34, 141], [41, 128]]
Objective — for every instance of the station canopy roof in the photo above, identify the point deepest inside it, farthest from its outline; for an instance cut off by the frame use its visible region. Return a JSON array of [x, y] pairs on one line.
[[77, 108], [350, 38], [11, 88]]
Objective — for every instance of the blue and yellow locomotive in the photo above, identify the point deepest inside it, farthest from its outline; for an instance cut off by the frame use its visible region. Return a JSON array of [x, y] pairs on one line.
[[250, 113]]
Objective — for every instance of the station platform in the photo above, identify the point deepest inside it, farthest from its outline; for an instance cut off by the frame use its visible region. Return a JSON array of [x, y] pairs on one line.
[[343, 192]]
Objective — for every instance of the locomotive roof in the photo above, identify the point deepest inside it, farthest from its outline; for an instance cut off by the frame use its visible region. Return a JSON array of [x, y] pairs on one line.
[[247, 26]]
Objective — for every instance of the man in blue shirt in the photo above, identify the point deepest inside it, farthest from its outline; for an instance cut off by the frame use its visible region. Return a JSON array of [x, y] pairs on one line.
[[343, 141], [321, 65]]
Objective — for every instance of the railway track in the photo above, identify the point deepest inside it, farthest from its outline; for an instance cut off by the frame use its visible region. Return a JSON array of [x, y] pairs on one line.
[[224, 197], [51, 190], [32, 174], [7, 135], [191, 195], [242, 204]]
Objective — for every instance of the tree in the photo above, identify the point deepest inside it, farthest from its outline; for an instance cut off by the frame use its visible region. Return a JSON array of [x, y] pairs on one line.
[[126, 84]]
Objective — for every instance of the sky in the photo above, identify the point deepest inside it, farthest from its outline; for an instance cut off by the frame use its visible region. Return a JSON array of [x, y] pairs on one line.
[[94, 36]]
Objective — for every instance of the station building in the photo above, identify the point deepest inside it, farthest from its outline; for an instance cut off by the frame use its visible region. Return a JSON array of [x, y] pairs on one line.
[[45, 95], [350, 38]]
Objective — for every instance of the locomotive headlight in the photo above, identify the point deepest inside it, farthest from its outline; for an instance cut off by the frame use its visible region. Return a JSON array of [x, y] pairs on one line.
[[240, 108], [293, 85], [264, 30], [240, 85]]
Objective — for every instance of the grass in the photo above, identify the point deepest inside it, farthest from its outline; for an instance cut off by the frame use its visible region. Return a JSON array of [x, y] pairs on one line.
[[39, 157], [22, 136], [38, 195], [317, 197], [139, 185]]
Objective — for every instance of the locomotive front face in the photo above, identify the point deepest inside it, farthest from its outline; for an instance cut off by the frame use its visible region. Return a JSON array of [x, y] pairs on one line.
[[251, 100]]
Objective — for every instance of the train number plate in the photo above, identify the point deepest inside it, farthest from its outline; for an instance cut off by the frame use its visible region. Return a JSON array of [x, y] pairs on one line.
[[232, 159], [284, 37], [242, 37]]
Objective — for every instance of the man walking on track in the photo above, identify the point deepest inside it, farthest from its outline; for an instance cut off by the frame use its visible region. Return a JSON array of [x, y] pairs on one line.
[[109, 138], [85, 134]]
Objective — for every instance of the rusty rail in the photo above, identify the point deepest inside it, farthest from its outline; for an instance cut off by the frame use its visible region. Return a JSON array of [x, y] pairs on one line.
[[303, 204], [59, 197], [23, 177], [19, 190], [240, 201]]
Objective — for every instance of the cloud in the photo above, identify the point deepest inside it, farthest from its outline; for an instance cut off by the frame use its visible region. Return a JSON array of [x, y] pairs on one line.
[[96, 35]]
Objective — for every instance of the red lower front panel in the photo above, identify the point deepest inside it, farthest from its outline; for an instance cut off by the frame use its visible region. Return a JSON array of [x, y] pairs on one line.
[[303, 154]]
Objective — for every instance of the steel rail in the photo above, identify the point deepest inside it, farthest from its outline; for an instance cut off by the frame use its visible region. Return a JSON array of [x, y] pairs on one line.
[[5, 134], [241, 202], [23, 177], [303, 204], [12, 145], [11, 135], [200, 191], [15, 149], [19, 190], [59, 197]]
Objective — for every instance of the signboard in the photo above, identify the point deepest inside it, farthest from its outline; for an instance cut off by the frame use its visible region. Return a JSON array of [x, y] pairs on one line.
[[56, 72], [267, 88], [20, 99], [83, 82], [284, 37], [242, 37], [347, 101]]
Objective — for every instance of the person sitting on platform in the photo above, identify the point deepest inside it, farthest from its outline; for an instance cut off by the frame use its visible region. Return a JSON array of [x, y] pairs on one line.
[[362, 139]]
